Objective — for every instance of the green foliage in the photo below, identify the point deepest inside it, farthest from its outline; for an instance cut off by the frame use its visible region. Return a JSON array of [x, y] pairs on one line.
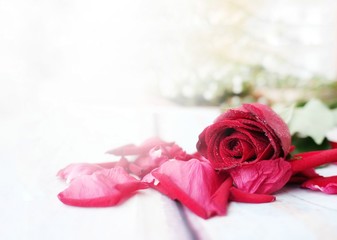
[[308, 144], [313, 120]]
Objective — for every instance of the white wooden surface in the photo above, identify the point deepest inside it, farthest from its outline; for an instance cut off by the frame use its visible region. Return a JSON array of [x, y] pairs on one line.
[[35, 145], [296, 214]]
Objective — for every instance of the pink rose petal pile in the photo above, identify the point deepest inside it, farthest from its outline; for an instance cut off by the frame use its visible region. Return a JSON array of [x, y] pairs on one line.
[[244, 156]]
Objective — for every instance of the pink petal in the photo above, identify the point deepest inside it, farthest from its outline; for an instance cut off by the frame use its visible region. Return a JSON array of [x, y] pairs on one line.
[[155, 157], [103, 188], [144, 148], [123, 162], [78, 169], [145, 164], [264, 177], [150, 155], [194, 183], [241, 196], [325, 184]]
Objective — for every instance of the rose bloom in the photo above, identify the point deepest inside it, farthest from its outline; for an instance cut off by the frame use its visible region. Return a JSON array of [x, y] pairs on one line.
[[251, 143], [245, 135]]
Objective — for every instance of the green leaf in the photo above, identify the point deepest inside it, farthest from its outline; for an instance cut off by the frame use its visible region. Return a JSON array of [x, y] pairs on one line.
[[313, 120], [307, 144]]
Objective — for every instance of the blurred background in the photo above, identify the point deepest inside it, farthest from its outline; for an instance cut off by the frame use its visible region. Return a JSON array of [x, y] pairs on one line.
[[102, 72]]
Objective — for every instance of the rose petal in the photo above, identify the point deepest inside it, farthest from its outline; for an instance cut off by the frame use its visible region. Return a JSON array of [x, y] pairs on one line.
[[103, 188], [303, 176], [123, 162], [303, 161], [149, 155], [270, 118], [219, 199], [333, 144], [143, 149], [194, 183], [241, 196], [264, 177], [324, 184], [266, 118], [78, 169]]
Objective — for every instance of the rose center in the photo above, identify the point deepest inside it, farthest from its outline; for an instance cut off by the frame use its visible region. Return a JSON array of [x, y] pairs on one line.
[[236, 148]]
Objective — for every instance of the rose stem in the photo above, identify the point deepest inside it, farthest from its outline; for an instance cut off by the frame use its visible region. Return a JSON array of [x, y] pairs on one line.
[[241, 196], [303, 161]]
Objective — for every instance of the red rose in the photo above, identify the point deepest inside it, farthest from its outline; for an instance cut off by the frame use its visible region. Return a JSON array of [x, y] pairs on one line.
[[244, 136]]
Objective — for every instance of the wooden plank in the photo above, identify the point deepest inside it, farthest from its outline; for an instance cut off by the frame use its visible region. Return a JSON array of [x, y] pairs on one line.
[[47, 142], [296, 214]]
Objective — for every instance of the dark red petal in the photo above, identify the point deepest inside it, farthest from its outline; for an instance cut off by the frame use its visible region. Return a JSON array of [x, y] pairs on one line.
[[101, 189], [201, 144], [333, 144], [297, 179], [267, 116], [303, 176], [234, 114], [310, 173], [303, 161], [325, 184], [262, 117], [241, 196]]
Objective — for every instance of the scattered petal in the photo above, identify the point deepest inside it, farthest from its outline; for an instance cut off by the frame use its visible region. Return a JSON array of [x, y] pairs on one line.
[[324, 184], [78, 169], [143, 149], [155, 157], [264, 177], [194, 183], [103, 188], [220, 198], [123, 162], [303, 161], [149, 155], [303, 176], [241, 196]]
